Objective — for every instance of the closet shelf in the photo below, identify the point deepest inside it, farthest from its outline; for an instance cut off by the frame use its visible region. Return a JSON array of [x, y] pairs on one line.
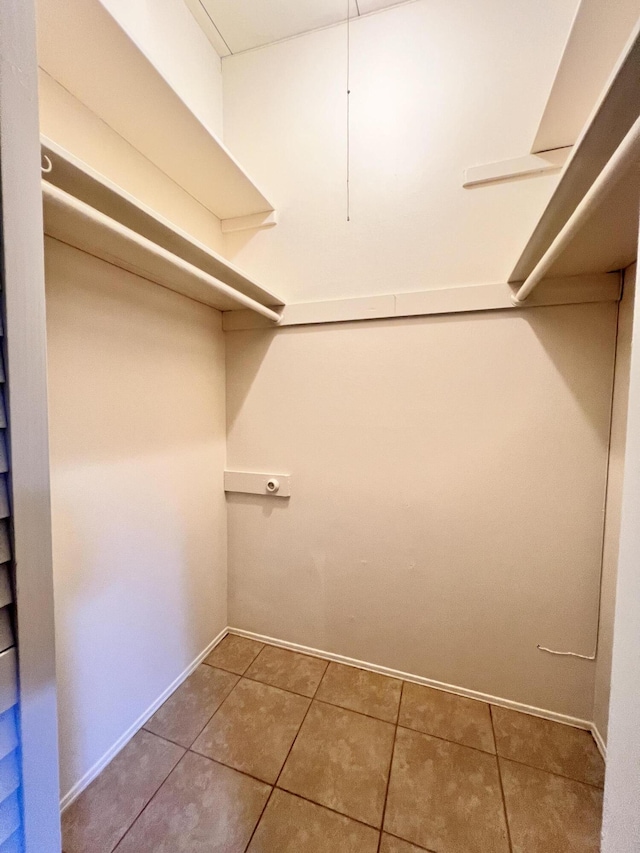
[[83, 47], [78, 224], [73, 176], [608, 237]]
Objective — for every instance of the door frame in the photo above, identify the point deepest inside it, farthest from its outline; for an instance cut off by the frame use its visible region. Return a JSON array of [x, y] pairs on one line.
[[26, 368], [621, 819]]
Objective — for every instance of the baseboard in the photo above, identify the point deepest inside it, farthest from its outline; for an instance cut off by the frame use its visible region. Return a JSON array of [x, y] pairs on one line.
[[122, 741], [599, 741], [111, 753], [417, 679]]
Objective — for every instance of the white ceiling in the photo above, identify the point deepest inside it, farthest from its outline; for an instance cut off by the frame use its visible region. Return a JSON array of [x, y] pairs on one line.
[[236, 25]]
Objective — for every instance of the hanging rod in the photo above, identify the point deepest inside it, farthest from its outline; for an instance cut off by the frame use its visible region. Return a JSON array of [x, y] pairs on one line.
[[625, 155], [76, 222]]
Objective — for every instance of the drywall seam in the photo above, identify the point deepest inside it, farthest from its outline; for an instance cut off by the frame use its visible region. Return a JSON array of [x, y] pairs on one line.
[[122, 741], [418, 679], [332, 26]]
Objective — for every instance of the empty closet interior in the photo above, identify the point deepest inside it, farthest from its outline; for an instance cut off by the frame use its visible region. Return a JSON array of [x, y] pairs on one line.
[[296, 388]]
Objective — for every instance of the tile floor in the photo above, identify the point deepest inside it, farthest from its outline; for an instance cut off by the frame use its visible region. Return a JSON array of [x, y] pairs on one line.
[[269, 751]]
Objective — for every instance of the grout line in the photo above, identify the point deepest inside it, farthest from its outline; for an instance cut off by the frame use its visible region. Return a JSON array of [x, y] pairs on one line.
[[329, 809], [230, 767], [214, 713], [551, 773], [324, 674], [393, 749], [264, 646], [446, 740], [293, 742], [239, 677], [255, 828], [167, 739], [504, 802], [412, 843], [151, 799]]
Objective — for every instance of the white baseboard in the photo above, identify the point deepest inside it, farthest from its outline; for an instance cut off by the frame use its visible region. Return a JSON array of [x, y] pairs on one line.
[[122, 741], [599, 741], [111, 753], [418, 679]]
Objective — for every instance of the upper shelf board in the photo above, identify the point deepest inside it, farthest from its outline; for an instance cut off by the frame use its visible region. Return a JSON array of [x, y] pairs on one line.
[[608, 240], [80, 180], [83, 47]]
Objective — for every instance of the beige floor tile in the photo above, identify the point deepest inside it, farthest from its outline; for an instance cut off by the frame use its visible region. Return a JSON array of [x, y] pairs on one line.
[[389, 844], [288, 670], [253, 729], [549, 746], [101, 815], [341, 760], [362, 691], [292, 825], [445, 797], [445, 715], [187, 711], [235, 654], [550, 814], [203, 807]]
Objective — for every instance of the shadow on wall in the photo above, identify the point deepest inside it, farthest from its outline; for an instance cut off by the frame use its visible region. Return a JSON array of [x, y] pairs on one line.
[[247, 363], [571, 347], [268, 504]]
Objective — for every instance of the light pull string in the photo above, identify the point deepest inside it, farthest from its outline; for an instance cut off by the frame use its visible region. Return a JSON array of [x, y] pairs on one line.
[[348, 115]]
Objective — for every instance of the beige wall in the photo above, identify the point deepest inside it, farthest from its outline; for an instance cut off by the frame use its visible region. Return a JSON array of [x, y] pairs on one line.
[[137, 409], [436, 87], [448, 486], [614, 504]]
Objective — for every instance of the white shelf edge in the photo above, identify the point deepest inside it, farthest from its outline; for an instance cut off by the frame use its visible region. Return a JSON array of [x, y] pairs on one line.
[[81, 226], [517, 167], [448, 300], [611, 119], [82, 181], [84, 48], [249, 223]]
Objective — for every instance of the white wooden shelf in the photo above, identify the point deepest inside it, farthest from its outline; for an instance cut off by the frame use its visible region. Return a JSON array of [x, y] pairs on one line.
[[82, 182], [78, 224], [608, 238], [82, 47]]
